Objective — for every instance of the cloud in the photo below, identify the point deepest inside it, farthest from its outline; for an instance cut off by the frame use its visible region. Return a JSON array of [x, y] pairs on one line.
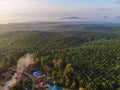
[[118, 1], [17, 8], [101, 9], [70, 18], [25, 10], [118, 17]]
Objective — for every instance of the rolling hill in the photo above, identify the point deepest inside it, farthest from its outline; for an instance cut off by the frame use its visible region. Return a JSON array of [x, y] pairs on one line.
[[87, 58]]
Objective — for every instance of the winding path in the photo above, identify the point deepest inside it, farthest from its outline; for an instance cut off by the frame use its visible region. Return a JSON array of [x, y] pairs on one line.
[[32, 78]]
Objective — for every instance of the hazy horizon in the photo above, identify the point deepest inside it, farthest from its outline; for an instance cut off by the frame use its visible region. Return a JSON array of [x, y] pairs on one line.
[[54, 10]]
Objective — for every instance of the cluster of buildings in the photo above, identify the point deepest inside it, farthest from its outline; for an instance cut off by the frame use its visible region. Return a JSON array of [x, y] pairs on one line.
[[40, 80]]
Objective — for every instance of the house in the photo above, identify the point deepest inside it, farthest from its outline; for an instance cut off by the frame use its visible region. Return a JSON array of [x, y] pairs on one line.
[[8, 73], [23, 78], [41, 84]]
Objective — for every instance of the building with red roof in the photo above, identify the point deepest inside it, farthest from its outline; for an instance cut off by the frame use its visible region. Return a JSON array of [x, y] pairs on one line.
[[8, 73], [41, 84], [23, 78]]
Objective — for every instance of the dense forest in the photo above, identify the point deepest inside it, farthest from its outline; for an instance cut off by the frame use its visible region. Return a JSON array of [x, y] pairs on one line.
[[87, 59]]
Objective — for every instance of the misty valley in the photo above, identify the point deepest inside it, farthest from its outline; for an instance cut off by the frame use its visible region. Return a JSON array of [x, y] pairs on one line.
[[63, 55]]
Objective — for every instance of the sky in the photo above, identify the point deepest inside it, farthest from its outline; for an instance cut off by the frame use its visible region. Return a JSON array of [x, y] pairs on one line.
[[59, 10]]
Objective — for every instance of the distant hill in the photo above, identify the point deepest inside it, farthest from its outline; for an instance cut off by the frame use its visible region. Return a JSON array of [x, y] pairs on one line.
[[60, 26]]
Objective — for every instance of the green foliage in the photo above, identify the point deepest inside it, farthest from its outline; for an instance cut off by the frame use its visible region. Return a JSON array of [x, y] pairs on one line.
[[74, 59]]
